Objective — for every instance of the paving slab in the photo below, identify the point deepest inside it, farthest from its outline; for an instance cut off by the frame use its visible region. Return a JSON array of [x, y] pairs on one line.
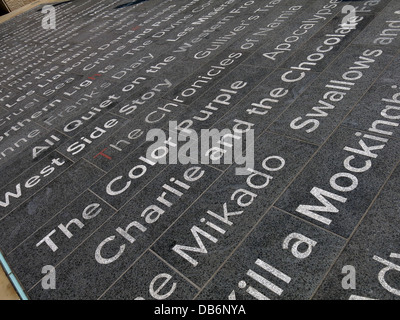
[[139, 282], [368, 266], [377, 112], [341, 181], [226, 212], [59, 237], [318, 112], [221, 98], [112, 249], [270, 265], [43, 205]]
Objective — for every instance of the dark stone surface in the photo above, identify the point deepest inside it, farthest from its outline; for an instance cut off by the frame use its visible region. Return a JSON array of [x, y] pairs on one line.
[[265, 245], [12, 168], [83, 275], [379, 105], [314, 121], [186, 94], [350, 193], [339, 40], [372, 248], [140, 282], [242, 209], [244, 78], [255, 108], [32, 180], [133, 134], [29, 258], [42, 206]]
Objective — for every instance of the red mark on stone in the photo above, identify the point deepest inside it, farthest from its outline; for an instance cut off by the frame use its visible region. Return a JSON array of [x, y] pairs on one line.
[[94, 76]]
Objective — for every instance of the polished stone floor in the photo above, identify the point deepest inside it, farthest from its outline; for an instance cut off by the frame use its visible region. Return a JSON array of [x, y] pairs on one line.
[[108, 193]]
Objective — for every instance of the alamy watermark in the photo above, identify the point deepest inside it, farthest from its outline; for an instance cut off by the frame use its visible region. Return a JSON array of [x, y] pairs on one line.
[[211, 146], [349, 21], [49, 20]]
